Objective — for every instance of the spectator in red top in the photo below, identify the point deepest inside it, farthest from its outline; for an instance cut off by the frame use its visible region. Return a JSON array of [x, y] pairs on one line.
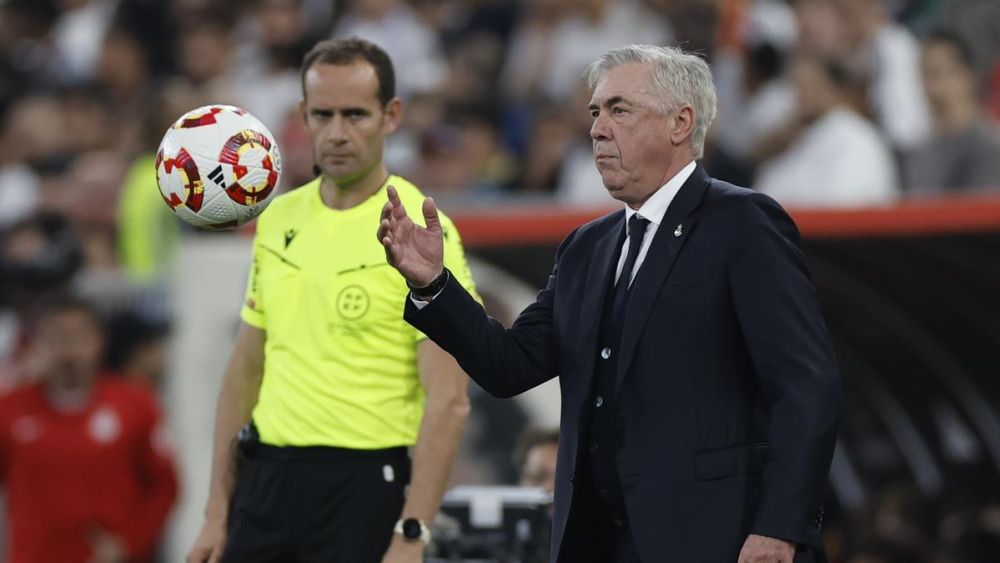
[[84, 460]]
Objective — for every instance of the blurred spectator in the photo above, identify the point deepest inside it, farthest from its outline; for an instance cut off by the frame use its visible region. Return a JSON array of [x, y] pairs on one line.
[[85, 460], [755, 95], [266, 68], [557, 38], [528, 53], [38, 142], [831, 155], [38, 255], [964, 153], [551, 136], [205, 53], [78, 36], [137, 349], [124, 75], [18, 182], [822, 31], [462, 161], [455, 20], [24, 46], [473, 67], [890, 55], [976, 21], [546, 55], [536, 458], [411, 43]]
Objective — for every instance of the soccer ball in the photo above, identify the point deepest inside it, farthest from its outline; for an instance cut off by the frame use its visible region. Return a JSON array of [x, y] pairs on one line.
[[217, 167]]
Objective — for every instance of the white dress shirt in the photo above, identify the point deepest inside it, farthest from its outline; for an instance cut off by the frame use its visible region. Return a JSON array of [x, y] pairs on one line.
[[653, 209]]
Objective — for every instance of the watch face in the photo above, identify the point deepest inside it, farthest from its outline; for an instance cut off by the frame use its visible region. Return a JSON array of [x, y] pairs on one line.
[[411, 528]]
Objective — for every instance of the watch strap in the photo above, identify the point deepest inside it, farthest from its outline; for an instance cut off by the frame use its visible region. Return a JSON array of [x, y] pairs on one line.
[[432, 289]]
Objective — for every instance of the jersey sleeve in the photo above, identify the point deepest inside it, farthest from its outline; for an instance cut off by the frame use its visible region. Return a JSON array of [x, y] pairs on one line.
[[252, 312]]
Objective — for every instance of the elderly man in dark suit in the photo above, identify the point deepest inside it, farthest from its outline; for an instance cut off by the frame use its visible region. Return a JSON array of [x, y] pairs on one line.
[[699, 390]]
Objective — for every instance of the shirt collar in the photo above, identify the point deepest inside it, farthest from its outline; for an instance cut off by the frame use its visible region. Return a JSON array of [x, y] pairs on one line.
[[656, 206]]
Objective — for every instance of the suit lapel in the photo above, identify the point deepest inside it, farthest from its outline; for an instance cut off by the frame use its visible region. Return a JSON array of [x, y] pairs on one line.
[[656, 266], [601, 268]]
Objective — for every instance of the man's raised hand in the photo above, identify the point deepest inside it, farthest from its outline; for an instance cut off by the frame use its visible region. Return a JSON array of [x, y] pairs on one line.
[[416, 252]]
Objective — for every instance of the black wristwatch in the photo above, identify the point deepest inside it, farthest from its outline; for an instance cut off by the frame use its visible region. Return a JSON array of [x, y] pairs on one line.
[[430, 290], [413, 530]]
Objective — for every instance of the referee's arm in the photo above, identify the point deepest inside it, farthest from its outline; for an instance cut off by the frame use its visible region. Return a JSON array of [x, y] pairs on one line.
[[445, 412], [237, 397]]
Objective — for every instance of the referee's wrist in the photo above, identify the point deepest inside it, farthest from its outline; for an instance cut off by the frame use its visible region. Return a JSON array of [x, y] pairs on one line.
[[413, 530]]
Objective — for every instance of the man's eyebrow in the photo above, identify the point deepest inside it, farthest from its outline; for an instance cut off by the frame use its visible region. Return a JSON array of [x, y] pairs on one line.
[[343, 110], [610, 102]]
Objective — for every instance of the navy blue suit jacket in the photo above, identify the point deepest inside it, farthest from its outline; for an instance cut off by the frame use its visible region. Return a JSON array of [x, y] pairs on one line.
[[727, 391]]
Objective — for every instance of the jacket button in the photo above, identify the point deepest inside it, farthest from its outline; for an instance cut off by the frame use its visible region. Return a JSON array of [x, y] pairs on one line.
[[598, 401], [606, 353]]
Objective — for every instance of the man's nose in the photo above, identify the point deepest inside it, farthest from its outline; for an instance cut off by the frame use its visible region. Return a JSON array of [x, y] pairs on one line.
[[336, 130], [600, 131]]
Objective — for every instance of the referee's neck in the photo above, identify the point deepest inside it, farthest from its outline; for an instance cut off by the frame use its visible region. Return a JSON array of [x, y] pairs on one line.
[[347, 195]]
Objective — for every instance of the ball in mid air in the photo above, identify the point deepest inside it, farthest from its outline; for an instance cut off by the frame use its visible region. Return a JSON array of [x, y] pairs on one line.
[[218, 167]]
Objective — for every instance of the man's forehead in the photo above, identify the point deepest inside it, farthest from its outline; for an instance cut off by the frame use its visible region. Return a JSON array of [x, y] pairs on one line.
[[351, 84], [622, 83]]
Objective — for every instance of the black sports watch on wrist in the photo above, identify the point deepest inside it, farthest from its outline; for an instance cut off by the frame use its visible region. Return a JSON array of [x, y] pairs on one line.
[[431, 289], [413, 530]]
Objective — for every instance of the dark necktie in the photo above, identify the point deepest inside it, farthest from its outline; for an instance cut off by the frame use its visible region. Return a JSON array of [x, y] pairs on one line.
[[636, 230]]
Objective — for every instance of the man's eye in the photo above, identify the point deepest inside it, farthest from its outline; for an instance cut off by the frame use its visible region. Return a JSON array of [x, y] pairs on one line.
[[618, 111]]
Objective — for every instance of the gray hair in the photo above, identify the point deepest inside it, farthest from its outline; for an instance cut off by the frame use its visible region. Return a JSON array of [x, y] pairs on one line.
[[682, 78]]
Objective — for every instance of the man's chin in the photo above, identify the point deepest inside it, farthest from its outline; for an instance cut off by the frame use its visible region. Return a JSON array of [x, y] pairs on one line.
[[614, 190], [341, 176]]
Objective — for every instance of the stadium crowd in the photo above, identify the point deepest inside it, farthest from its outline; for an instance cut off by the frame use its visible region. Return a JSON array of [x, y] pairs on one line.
[[893, 99]]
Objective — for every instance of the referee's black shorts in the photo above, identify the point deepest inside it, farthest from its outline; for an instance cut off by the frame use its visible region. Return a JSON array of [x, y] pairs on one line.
[[315, 504]]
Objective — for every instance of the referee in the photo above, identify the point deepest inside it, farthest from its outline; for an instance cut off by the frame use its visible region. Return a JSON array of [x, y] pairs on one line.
[[328, 386]]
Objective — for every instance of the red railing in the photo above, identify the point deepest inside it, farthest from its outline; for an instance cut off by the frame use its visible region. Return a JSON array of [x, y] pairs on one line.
[[518, 224]]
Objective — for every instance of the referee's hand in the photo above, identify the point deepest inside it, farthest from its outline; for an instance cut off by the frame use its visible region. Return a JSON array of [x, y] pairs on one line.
[[210, 544], [417, 252]]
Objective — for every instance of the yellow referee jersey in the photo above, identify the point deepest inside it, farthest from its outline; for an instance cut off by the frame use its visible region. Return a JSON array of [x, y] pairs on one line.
[[340, 363]]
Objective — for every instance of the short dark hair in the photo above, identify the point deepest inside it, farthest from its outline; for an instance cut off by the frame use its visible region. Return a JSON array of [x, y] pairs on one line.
[[531, 438], [351, 50]]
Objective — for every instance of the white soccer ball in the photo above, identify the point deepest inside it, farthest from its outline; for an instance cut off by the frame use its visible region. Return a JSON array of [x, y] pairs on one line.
[[218, 167]]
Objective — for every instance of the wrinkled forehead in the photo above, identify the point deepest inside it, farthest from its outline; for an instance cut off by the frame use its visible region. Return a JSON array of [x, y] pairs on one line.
[[632, 82]]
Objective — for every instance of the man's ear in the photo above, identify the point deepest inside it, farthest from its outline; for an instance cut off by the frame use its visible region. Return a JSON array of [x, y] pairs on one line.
[[393, 115], [683, 126]]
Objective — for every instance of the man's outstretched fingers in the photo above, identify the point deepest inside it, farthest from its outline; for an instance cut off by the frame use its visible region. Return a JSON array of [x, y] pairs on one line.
[[398, 211], [431, 215]]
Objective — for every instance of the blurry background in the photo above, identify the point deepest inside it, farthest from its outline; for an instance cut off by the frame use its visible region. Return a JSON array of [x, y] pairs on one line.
[[874, 121]]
